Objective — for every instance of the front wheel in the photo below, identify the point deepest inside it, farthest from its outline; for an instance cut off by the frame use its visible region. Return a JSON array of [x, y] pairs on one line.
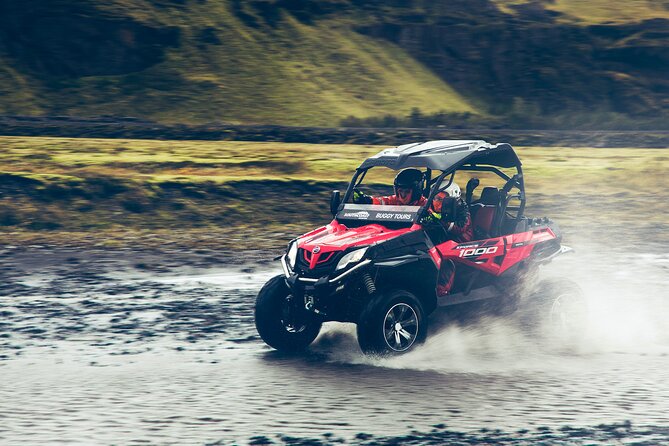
[[392, 323], [282, 322]]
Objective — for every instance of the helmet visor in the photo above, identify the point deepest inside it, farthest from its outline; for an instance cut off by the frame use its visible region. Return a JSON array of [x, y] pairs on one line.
[[441, 201], [437, 202]]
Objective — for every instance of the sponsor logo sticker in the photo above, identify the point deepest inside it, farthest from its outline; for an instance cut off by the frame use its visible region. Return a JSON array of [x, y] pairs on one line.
[[469, 245], [359, 214]]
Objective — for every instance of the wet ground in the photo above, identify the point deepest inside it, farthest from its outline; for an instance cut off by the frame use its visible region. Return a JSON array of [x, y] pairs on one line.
[[100, 347]]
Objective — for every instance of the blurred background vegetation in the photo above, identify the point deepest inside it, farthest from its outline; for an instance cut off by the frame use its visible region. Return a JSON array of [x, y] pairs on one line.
[[73, 191], [596, 64], [501, 70]]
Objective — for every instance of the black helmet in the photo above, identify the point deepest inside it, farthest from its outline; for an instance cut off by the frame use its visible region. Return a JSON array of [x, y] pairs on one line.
[[410, 179]]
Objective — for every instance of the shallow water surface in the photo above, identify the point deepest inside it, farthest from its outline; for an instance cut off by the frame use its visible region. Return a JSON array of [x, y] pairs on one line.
[[106, 353]]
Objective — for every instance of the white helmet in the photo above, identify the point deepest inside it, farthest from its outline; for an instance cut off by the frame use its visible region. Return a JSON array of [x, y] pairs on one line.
[[453, 190]]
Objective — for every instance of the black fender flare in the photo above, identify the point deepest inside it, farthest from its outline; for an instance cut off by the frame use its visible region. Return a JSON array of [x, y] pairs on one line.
[[415, 273]]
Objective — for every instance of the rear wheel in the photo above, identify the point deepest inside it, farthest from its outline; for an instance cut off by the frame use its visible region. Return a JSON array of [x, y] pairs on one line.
[[392, 323], [281, 321], [560, 311]]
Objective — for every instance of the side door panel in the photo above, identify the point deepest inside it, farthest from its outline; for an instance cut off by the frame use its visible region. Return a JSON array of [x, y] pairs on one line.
[[487, 255], [495, 255]]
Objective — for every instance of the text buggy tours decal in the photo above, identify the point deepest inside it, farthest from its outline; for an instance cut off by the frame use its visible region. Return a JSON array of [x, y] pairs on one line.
[[378, 213], [393, 216]]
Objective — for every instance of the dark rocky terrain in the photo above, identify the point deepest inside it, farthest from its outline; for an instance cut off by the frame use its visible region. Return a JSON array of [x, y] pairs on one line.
[[119, 127]]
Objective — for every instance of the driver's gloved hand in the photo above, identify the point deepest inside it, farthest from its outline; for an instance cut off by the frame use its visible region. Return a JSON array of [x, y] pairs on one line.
[[461, 214], [431, 218], [360, 198]]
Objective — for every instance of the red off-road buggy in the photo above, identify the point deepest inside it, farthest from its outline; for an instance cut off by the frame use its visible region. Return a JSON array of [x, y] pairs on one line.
[[377, 266]]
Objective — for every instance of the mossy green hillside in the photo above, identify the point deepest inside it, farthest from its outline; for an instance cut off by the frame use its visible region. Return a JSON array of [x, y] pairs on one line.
[[218, 68], [317, 62], [599, 11]]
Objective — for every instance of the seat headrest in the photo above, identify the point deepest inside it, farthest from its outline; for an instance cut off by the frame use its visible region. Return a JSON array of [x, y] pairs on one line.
[[490, 196]]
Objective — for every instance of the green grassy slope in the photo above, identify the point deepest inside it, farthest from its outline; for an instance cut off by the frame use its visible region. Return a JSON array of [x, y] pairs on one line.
[[223, 69], [599, 11], [314, 62]]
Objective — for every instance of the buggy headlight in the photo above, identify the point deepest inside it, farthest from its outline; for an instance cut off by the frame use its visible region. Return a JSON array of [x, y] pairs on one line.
[[351, 257], [292, 254]]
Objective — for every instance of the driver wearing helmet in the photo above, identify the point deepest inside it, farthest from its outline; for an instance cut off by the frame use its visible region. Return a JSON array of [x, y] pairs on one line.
[[450, 212], [408, 191]]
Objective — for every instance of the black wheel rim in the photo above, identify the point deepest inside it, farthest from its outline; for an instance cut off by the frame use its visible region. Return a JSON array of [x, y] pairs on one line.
[[400, 327]]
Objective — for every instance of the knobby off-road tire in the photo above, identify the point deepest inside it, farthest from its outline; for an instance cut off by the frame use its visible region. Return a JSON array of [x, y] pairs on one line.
[[558, 312], [281, 323], [392, 323]]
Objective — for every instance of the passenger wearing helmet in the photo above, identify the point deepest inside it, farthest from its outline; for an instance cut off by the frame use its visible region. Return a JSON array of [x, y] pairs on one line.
[[408, 187], [450, 210], [450, 214]]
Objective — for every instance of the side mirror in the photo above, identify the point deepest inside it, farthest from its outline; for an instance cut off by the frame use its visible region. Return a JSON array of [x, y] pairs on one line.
[[335, 201]]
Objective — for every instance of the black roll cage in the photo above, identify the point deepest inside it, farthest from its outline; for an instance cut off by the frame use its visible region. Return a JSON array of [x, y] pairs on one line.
[[514, 181]]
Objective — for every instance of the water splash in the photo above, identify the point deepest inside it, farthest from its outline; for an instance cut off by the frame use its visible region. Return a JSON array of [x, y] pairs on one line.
[[627, 311]]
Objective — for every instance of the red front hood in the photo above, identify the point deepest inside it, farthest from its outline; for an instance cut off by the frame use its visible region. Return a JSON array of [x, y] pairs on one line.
[[337, 237]]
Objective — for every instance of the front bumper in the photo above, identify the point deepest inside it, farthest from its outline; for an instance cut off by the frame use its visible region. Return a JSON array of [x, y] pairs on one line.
[[325, 279], [331, 296]]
